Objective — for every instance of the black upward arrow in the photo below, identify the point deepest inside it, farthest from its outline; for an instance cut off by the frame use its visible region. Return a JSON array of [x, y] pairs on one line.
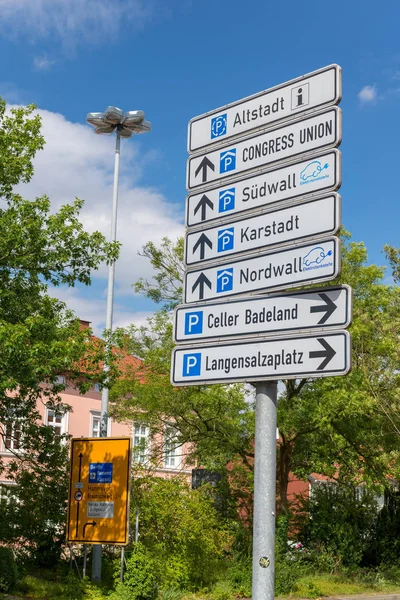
[[77, 520], [202, 242], [326, 354], [93, 523], [77, 507], [80, 466], [206, 162], [200, 282], [328, 308], [203, 203]]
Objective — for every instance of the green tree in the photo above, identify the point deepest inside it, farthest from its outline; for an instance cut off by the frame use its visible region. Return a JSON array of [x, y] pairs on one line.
[[181, 529], [347, 427], [344, 427], [39, 337]]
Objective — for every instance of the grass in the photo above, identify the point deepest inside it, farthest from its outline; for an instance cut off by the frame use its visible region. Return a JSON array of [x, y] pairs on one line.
[[312, 586]]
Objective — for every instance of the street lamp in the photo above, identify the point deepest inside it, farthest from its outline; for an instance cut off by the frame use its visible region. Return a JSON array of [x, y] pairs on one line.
[[125, 125]]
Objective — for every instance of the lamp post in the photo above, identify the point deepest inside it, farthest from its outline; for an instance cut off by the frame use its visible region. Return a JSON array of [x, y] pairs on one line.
[[125, 125]]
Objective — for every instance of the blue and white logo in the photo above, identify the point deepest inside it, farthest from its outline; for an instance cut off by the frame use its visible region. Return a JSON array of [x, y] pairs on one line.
[[194, 323], [191, 365], [312, 172], [226, 239], [100, 472], [218, 126], [227, 200], [227, 161], [317, 258], [224, 280]]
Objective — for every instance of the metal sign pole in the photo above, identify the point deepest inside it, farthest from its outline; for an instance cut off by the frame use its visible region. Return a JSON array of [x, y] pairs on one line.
[[264, 492]]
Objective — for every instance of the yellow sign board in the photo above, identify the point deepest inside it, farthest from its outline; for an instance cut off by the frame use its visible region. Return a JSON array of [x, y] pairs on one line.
[[98, 506]]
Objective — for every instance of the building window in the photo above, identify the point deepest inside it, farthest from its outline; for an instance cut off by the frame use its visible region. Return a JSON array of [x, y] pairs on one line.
[[140, 443], [95, 424], [7, 493], [57, 420], [60, 380], [96, 387], [95, 421], [12, 438], [172, 451], [11, 432]]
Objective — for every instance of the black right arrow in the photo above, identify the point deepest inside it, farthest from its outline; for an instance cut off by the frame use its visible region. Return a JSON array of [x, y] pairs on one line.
[[203, 203], [328, 308], [201, 281], [206, 162], [327, 354], [202, 242], [93, 523]]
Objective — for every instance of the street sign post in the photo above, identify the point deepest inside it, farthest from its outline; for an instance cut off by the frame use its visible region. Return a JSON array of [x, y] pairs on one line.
[[263, 176], [261, 190], [314, 90], [98, 505], [316, 132], [274, 315], [282, 269], [312, 219], [316, 355]]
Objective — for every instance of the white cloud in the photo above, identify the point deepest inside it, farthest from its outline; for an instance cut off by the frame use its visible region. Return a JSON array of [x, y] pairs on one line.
[[77, 163], [43, 63], [71, 21], [368, 94], [93, 309]]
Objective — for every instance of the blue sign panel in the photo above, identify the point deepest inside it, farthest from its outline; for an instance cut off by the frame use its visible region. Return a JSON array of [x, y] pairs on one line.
[[194, 323], [226, 239], [227, 160], [191, 365], [100, 472], [218, 126], [227, 200]]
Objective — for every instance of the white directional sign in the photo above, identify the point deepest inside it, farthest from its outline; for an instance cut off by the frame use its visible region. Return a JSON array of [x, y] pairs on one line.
[[286, 268], [277, 314], [322, 172], [319, 217], [318, 89], [322, 130], [317, 355]]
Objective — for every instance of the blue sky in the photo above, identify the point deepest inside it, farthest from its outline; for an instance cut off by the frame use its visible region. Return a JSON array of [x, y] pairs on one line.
[[176, 59]]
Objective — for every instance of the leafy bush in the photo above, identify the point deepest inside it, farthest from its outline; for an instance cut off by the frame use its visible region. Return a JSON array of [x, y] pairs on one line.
[[388, 530], [140, 581], [181, 529], [341, 521], [8, 569]]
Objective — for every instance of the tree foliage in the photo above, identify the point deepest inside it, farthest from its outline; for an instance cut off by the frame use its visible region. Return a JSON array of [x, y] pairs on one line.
[[39, 337], [344, 427], [181, 529]]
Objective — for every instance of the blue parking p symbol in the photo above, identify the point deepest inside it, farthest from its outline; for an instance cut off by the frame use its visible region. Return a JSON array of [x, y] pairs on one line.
[[191, 365], [218, 126], [194, 322], [226, 239], [227, 160], [226, 200], [224, 280]]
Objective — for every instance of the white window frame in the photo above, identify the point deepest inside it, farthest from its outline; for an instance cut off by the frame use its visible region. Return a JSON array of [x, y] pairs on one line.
[[172, 452], [16, 440], [6, 492], [140, 452], [64, 422], [96, 414]]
